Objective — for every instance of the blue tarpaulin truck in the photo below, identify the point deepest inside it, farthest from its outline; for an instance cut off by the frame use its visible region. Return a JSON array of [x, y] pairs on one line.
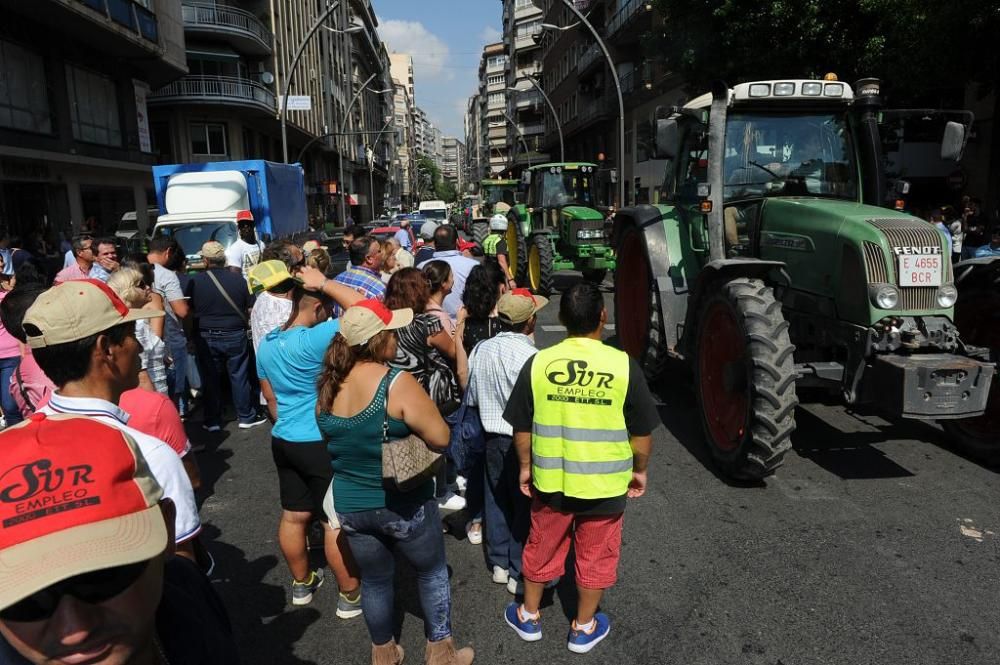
[[201, 202]]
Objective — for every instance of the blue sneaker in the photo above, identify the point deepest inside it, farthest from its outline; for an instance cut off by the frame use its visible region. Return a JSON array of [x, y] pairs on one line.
[[529, 630], [581, 642]]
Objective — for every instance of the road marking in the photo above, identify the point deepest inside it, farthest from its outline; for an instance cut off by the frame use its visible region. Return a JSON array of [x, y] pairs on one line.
[[609, 326]]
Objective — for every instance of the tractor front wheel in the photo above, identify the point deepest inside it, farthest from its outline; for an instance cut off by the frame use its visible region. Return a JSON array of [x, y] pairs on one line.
[[480, 229], [540, 264], [517, 250], [745, 379], [977, 314]]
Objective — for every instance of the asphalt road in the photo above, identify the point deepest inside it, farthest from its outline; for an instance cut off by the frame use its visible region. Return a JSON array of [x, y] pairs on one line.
[[874, 543]]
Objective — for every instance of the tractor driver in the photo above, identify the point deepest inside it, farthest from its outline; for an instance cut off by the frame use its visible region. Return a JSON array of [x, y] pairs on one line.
[[805, 162], [495, 246]]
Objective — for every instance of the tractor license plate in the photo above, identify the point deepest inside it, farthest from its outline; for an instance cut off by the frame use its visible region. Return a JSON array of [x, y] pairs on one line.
[[920, 269]]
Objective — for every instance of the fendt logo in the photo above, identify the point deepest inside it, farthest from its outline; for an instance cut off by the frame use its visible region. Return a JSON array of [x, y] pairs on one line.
[[929, 249]]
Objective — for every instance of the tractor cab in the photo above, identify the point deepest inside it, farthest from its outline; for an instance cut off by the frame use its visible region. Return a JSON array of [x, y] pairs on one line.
[[559, 227]]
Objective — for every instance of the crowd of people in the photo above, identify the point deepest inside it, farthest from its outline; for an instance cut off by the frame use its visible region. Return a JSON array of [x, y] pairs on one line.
[[970, 234], [419, 339]]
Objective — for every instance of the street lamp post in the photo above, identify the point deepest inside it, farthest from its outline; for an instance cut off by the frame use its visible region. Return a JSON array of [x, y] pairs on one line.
[[283, 111], [562, 147], [371, 166], [340, 153], [618, 89]]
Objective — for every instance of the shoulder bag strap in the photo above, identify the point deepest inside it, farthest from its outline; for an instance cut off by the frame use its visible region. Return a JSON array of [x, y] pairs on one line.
[[384, 388], [225, 295]]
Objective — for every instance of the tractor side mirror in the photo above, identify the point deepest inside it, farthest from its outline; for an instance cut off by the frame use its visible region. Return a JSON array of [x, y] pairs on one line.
[[953, 143], [667, 138], [526, 178]]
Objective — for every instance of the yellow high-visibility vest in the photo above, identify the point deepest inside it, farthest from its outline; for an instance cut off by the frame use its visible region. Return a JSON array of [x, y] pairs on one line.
[[579, 442], [490, 243]]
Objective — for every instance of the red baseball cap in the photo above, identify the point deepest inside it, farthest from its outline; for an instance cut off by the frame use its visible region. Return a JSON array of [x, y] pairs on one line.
[[75, 496], [367, 318], [465, 244], [76, 310]]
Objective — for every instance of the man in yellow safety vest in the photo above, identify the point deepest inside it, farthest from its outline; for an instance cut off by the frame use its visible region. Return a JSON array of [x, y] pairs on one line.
[[582, 417]]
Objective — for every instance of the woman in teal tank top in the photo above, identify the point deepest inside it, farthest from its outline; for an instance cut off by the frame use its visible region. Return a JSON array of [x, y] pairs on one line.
[[358, 393]]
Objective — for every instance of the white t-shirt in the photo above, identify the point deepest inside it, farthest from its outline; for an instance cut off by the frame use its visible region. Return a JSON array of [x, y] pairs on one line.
[[163, 461], [244, 255], [165, 283]]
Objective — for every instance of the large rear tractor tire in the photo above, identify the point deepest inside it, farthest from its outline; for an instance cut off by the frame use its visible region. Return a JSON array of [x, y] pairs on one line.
[[480, 229], [517, 250], [540, 264], [745, 379], [638, 317], [977, 315]]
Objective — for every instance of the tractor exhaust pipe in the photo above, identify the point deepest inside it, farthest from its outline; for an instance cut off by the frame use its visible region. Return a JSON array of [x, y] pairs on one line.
[[868, 100], [716, 161]]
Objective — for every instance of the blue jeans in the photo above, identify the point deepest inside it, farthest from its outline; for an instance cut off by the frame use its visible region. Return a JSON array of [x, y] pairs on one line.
[[11, 413], [225, 352], [415, 531], [507, 511]]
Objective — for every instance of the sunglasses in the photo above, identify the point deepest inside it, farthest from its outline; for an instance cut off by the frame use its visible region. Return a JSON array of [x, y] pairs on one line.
[[91, 588]]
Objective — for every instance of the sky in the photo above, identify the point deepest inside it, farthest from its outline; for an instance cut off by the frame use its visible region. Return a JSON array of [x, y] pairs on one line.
[[445, 39]]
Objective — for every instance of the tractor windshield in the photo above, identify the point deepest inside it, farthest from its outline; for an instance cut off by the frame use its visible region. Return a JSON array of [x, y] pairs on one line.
[[566, 187], [500, 195], [776, 154]]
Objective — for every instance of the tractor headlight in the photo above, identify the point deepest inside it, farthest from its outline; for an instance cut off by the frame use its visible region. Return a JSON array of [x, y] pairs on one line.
[[884, 296], [947, 294], [589, 234]]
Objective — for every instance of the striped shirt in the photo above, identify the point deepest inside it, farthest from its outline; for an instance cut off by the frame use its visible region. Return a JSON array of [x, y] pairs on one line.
[[366, 282], [493, 369]]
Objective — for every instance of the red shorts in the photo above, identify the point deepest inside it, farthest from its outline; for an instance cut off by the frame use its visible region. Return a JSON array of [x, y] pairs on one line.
[[597, 543]]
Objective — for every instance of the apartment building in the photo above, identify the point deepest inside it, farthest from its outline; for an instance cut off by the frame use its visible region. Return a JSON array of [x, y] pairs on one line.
[[493, 109], [75, 137], [525, 112], [453, 161], [404, 166], [577, 79], [475, 160]]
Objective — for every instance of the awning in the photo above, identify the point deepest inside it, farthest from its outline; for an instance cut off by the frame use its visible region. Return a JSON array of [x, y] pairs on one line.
[[352, 200]]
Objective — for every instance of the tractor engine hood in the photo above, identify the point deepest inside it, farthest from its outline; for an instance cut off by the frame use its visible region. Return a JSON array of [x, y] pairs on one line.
[[836, 249], [581, 213]]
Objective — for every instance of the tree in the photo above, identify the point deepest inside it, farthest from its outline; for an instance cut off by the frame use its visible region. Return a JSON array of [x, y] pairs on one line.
[[445, 191], [917, 47]]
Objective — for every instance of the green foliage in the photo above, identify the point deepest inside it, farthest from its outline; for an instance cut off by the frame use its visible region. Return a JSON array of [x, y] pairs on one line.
[[914, 46], [445, 191]]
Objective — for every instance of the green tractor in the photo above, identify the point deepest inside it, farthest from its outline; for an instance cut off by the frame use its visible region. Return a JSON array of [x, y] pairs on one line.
[[559, 227], [772, 265], [495, 196]]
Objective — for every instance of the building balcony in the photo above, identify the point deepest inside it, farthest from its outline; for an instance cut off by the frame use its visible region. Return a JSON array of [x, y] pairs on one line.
[[532, 129], [631, 11], [589, 59], [526, 40], [527, 11], [495, 68], [240, 29], [497, 133], [527, 99], [216, 90]]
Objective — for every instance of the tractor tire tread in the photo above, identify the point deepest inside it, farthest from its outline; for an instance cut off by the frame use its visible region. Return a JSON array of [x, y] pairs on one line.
[[772, 384]]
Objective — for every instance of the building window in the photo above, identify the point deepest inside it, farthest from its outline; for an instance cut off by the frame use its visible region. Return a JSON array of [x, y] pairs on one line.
[[522, 4], [208, 138], [93, 102], [495, 79], [24, 102]]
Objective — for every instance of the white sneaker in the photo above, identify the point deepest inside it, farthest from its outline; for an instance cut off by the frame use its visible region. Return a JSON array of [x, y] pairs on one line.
[[461, 483], [450, 503], [475, 536], [500, 575], [513, 586]]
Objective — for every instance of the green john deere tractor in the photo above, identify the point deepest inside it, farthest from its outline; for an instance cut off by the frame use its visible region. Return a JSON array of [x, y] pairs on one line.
[[495, 196], [772, 264], [558, 228]]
